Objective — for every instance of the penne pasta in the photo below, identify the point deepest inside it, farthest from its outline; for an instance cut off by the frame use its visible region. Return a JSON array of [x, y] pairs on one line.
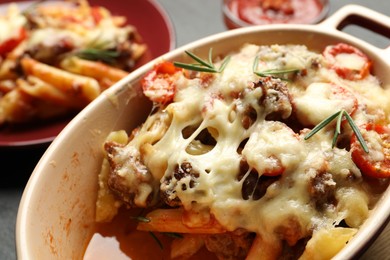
[[38, 88], [6, 86], [63, 54], [93, 69], [9, 64], [17, 106], [325, 244], [171, 220], [73, 85]]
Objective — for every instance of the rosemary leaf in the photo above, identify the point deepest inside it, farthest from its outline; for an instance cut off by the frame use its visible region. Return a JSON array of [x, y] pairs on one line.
[[195, 67], [224, 63], [141, 219], [107, 56], [255, 64], [202, 62], [321, 125], [337, 131], [156, 239], [271, 72], [173, 235], [202, 65], [357, 132], [211, 57], [277, 72]]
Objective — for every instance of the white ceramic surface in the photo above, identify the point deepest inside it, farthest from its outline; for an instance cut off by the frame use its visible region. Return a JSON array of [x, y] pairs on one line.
[[56, 213]]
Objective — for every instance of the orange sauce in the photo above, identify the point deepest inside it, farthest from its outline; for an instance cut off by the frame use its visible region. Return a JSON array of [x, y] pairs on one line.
[[119, 240], [250, 12]]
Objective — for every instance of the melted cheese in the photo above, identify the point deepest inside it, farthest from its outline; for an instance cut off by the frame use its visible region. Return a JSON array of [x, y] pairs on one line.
[[319, 101], [350, 60], [263, 152], [52, 36], [265, 144], [11, 23], [58, 26]]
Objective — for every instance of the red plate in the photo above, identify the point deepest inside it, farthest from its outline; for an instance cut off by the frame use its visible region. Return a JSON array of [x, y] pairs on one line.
[[156, 29]]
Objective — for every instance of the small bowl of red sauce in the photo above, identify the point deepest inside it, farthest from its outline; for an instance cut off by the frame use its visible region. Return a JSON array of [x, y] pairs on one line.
[[242, 13]]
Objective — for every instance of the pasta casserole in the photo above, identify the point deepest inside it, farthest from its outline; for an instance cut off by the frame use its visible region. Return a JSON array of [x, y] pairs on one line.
[[56, 57], [271, 152]]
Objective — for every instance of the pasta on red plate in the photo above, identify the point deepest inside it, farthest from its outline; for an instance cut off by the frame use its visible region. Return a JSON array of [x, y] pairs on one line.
[[271, 151], [56, 57]]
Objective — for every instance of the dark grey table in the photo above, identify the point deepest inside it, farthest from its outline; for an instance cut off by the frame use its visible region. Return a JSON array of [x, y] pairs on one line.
[[192, 20]]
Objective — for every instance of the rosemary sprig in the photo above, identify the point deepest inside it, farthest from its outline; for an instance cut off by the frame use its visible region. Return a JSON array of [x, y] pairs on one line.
[[340, 114], [97, 50], [203, 65], [357, 132], [107, 56], [156, 239], [271, 72]]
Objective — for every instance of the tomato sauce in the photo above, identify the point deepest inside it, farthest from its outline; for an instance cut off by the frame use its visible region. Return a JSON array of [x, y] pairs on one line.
[[253, 12], [119, 239]]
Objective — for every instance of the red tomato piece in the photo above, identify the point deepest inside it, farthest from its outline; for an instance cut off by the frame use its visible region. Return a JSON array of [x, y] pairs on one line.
[[96, 13], [158, 84], [166, 68], [9, 44], [331, 52], [376, 163]]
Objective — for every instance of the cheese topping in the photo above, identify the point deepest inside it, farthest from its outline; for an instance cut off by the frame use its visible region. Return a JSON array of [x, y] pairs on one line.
[[352, 61], [321, 100], [11, 24], [234, 147]]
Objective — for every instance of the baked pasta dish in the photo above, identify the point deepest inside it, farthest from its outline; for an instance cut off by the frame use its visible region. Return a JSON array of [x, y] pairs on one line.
[[56, 57], [271, 152]]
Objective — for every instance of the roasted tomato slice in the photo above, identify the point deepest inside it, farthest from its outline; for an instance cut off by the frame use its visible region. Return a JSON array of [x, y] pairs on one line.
[[376, 163], [158, 84], [9, 44], [347, 61]]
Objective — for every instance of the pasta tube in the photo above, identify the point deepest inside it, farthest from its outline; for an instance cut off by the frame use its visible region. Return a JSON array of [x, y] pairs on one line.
[[37, 88], [170, 220], [73, 85], [93, 69]]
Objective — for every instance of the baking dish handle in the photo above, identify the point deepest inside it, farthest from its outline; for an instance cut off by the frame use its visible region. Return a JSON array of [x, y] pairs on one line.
[[361, 16]]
